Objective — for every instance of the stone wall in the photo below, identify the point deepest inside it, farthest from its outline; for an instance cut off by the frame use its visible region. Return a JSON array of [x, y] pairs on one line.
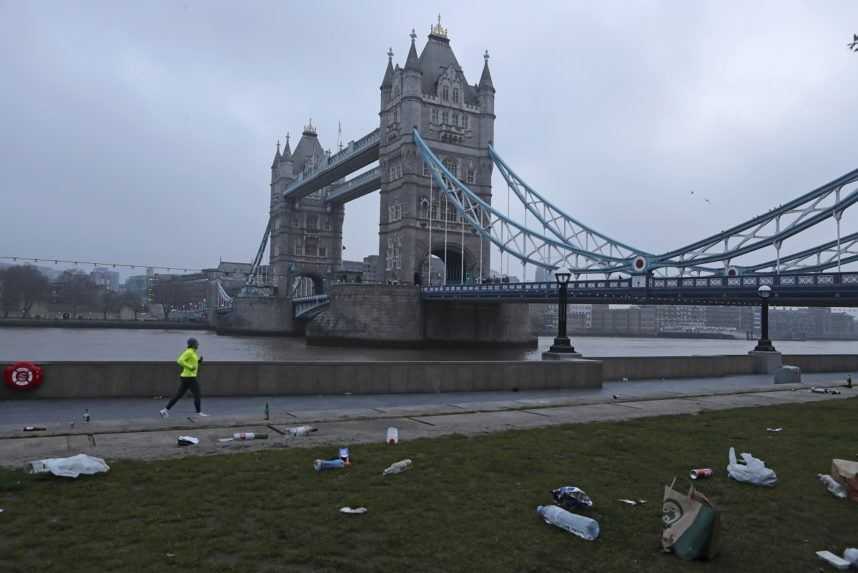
[[479, 324], [148, 379], [258, 316]]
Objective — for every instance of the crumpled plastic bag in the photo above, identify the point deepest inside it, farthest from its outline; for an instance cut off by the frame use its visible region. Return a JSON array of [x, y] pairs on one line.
[[570, 497], [70, 467], [753, 471]]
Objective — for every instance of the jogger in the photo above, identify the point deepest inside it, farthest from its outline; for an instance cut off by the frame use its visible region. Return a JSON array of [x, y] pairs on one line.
[[190, 361]]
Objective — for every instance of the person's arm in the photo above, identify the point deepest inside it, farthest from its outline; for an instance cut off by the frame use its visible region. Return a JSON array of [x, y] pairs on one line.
[[183, 360]]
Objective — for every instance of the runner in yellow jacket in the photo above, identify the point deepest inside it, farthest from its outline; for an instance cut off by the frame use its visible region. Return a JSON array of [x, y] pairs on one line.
[[190, 361]]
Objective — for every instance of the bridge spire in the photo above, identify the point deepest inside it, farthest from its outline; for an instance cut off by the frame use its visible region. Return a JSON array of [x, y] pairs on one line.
[[388, 73], [277, 156], [412, 63], [486, 79], [287, 152]]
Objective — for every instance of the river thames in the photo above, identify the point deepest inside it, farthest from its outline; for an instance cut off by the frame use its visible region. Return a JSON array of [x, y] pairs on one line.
[[58, 344]]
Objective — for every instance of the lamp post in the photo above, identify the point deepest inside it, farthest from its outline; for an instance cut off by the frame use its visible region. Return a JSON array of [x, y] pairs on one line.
[[764, 344], [562, 344]]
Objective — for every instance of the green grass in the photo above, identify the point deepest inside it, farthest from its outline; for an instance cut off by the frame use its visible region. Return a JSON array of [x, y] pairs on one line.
[[468, 504]]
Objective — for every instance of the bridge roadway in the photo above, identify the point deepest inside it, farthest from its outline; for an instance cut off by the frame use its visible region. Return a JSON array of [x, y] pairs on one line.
[[820, 289]]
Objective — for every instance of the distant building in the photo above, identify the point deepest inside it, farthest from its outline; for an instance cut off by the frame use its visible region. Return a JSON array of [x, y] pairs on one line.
[[371, 272], [105, 278]]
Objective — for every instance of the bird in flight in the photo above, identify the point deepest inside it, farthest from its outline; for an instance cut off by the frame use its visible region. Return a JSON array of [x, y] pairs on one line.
[[854, 44]]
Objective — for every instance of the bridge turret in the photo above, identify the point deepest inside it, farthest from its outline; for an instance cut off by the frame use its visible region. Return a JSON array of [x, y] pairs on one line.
[[387, 83], [486, 93]]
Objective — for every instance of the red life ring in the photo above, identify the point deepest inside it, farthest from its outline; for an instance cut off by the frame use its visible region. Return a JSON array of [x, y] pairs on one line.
[[23, 376]]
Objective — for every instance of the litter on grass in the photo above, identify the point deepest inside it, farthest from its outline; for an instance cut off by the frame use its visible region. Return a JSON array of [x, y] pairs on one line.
[[571, 497], [70, 467], [187, 441], [833, 560], [846, 473], [299, 431], [632, 501], [323, 465], [753, 470], [691, 524], [397, 468], [353, 510], [834, 487], [774, 429], [851, 555]]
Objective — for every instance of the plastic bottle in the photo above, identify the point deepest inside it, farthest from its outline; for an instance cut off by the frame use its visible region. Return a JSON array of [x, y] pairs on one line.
[[579, 525], [322, 465], [397, 468], [299, 431], [851, 555], [86, 416], [836, 488], [392, 436], [249, 436]]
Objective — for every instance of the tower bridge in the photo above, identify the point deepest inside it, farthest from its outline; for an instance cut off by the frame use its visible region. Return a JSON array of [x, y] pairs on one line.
[[432, 159]]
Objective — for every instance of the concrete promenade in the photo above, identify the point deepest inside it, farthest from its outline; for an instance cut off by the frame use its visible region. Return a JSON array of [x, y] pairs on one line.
[[132, 429]]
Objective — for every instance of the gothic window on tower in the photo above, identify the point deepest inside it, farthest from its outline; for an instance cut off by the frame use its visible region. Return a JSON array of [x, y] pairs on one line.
[[467, 119], [455, 95], [426, 169], [396, 116], [323, 251], [311, 247], [388, 260], [456, 119], [396, 90], [471, 177], [444, 117], [445, 93], [434, 116], [312, 222]]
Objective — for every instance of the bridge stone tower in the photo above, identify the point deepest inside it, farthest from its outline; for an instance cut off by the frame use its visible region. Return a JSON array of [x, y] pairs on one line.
[[306, 234], [456, 119]]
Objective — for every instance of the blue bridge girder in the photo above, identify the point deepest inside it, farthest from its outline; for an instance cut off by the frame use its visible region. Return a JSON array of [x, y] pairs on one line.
[[307, 307], [356, 155], [820, 289]]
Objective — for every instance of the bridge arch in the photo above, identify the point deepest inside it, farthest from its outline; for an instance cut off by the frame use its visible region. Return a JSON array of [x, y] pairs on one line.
[[447, 263], [303, 284]]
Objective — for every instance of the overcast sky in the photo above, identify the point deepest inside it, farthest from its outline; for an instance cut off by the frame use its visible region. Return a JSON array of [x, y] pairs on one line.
[[143, 132]]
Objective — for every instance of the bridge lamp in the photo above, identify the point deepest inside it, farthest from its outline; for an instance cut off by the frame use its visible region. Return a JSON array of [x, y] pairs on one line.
[[562, 344], [764, 344]]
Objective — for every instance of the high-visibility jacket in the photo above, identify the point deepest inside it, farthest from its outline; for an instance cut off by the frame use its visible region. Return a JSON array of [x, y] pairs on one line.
[[189, 360]]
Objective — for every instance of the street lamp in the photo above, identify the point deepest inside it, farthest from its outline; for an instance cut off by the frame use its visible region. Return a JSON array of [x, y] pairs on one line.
[[764, 344], [562, 344]]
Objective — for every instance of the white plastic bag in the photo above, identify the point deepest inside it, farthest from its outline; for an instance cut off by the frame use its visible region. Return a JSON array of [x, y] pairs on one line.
[[70, 467], [753, 471]]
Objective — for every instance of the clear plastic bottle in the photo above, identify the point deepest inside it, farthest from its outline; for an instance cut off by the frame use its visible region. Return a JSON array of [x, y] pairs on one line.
[[299, 431], [579, 525], [836, 488], [324, 465], [398, 467], [392, 435]]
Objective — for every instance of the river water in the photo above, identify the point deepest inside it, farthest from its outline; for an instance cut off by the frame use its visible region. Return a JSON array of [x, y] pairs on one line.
[[47, 344]]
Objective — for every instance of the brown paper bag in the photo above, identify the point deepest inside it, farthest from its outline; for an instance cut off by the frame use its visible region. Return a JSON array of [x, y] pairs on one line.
[[691, 524], [846, 472]]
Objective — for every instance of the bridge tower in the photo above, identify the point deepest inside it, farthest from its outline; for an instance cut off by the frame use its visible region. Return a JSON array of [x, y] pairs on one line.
[[456, 119], [306, 234]]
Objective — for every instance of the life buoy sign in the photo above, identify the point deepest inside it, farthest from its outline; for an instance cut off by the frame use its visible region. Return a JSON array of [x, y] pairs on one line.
[[23, 376]]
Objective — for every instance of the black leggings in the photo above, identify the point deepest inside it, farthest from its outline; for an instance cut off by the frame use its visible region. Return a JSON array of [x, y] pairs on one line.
[[187, 384]]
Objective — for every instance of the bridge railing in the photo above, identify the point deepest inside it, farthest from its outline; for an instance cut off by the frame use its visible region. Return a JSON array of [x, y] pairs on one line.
[[784, 281]]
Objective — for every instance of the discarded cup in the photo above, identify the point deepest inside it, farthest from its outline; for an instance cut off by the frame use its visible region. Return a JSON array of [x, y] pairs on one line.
[[353, 510], [324, 465], [344, 455], [580, 525], [187, 441], [571, 497], [299, 431], [392, 436], [34, 429], [701, 473], [249, 436], [851, 555], [397, 468]]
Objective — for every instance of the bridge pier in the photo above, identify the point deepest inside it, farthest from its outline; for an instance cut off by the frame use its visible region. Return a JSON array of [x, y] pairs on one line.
[[396, 316], [258, 316]]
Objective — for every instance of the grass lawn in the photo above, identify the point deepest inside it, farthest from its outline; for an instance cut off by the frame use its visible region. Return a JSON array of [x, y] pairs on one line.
[[468, 504]]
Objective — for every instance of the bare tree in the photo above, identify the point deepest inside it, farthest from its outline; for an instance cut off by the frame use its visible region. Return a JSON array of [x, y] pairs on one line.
[[23, 286], [170, 293], [78, 290], [131, 301], [110, 303]]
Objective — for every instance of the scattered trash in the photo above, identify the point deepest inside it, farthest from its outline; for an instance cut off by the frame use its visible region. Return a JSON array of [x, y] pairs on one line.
[[833, 560], [392, 436], [580, 525], [299, 431], [701, 473], [846, 473], [571, 497], [834, 487], [632, 501], [774, 429], [86, 416], [753, 471], [70, 467], [158, 397], [691, 524], [267, 411], [849, 381], [71, 425], [170, 554], [34, 428], [353, 510], [347, 393], [788, 375], [615, 397], [187, 441], [625, 379], [344, 455], [324, 465], [249, 436], [2, 510], [397, 468], [224, 440], [851, 555]]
